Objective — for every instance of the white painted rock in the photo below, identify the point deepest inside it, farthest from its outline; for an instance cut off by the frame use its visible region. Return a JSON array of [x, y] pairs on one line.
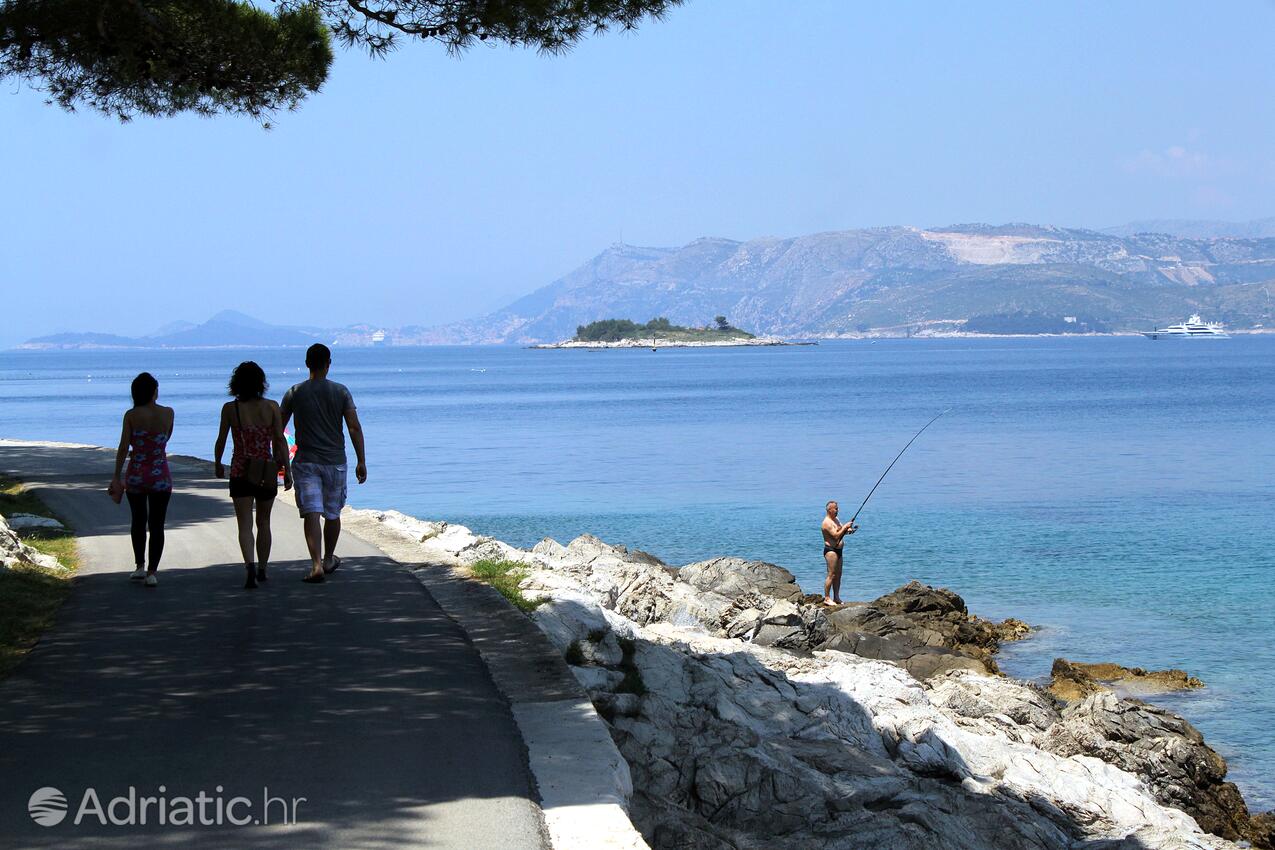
[[23, 522], [14, 552]]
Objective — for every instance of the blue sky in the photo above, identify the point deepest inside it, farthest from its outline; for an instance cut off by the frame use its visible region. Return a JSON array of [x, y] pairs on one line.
[[424, 188]]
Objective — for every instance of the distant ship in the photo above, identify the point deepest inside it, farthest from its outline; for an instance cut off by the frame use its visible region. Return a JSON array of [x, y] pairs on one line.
[[1192, 328], [378, 338]]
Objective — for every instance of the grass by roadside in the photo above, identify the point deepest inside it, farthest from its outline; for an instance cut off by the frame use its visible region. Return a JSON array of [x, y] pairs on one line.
[[30, 595], [504, 576]]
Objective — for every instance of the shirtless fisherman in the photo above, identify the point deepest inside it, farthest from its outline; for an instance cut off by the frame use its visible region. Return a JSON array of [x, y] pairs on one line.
[[833, 535]]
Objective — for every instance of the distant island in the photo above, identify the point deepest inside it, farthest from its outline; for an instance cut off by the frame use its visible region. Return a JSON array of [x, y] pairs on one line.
[[659, 333]]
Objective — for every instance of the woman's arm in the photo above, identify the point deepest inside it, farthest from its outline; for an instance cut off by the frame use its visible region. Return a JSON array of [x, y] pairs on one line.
[[121, 453], [219, 448], [281, 446]]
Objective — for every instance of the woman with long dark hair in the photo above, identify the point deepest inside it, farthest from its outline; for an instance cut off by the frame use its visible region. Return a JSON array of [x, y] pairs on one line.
[[147, 482], [261, 450]]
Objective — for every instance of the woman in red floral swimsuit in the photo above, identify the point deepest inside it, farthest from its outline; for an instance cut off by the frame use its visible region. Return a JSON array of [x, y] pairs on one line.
[[261, 451], [147, 482]]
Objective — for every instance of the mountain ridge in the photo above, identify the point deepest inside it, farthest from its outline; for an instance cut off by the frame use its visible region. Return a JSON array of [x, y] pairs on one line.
[[890, 281], [897, 279], [226, 329]]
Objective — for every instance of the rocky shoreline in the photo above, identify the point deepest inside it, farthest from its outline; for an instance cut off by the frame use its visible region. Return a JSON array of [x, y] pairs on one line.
[[752, 717]]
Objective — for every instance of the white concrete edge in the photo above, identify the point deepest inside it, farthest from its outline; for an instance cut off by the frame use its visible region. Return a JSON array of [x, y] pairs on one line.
[[574, 760], [584, 782], [45, 444]]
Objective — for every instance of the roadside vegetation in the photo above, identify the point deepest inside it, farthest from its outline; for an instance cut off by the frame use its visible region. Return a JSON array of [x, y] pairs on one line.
[[614, 330], [504, 576], [30, 595]]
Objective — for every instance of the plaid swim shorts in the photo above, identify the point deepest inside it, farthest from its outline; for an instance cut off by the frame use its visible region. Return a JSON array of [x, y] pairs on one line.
[[320, 488]]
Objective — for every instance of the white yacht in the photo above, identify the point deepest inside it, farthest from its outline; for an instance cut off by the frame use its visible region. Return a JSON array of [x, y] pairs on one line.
[[1190, 329]]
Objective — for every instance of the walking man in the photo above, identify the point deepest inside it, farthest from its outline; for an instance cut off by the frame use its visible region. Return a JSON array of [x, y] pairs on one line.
[[319, 470], [834, 534]]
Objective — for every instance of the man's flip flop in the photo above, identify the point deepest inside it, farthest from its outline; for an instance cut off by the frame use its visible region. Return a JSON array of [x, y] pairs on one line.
[[319, 579], [336, 562]]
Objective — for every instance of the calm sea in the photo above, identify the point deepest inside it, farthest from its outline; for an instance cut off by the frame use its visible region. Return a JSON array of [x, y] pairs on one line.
[[1117, 492]]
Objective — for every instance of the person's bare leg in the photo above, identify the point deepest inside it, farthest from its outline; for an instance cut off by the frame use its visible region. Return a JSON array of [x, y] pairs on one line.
[[331, 532], [314, 542], [831, 559], [836, 581], [264, 538], [243, 517]]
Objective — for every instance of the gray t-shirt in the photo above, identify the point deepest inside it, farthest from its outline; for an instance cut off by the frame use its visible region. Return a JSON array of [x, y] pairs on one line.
[[318, 408]]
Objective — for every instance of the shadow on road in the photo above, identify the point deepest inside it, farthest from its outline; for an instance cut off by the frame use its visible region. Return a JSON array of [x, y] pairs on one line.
[[358, 694]]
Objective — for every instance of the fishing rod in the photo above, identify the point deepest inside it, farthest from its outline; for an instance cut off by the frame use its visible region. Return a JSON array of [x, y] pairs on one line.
[[893, 462]]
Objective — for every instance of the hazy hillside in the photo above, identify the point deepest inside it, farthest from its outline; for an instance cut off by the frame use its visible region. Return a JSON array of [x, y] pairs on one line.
[[899, 280], [227, 329], [887, 280], [1260, 228]]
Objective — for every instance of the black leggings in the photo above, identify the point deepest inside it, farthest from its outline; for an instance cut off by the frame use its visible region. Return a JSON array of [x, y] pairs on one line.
[[149, 510]]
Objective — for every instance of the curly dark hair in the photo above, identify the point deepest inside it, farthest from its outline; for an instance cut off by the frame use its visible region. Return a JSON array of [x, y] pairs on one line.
[[248, 381], [143, 389]]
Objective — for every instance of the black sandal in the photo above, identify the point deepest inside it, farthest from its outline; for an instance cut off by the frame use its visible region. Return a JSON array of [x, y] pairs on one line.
[[319, 579], [251, 581], [261, 574]]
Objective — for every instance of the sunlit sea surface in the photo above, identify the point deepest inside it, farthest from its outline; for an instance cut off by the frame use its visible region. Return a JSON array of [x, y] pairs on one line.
[[1116, 492]]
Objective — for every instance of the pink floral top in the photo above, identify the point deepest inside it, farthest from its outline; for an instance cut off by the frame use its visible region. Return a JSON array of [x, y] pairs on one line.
[[251, 441], [148, 470]]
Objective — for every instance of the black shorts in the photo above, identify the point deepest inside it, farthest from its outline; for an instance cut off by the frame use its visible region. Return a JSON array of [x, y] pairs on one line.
[[242, 488]]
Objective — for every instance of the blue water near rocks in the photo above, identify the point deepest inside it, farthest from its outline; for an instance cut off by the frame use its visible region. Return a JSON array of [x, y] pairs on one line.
[[1117, 492]]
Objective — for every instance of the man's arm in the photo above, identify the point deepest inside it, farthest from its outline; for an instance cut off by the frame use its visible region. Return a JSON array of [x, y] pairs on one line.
[[285, 408], [281, 447], [355, 428]]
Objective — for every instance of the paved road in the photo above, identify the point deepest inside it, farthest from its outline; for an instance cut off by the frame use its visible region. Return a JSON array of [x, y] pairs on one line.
[[358, 694]]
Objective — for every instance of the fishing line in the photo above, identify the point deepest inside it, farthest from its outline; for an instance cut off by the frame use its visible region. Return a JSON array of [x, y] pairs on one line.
[[896, 460]]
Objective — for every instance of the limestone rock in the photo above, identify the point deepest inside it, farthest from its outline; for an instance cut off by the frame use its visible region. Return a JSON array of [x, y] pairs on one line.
[[613, 705], [774, 634], [605, 652], [570, 617], [733, 577], [1071, 682], [924, 616], [26, 522], [1166, 751], [594, 679], [921, 660], [13, 552], [782, 613], [1020, 711], [1128, 681], [635, 585], [1011, 629], [738, 746], [741, 623]]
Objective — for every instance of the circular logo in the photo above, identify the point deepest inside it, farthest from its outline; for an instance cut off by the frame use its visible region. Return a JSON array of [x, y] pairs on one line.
[[47, 807]]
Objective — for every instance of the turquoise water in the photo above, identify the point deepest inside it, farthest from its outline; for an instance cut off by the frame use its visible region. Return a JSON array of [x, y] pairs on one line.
[[1116, 492]]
